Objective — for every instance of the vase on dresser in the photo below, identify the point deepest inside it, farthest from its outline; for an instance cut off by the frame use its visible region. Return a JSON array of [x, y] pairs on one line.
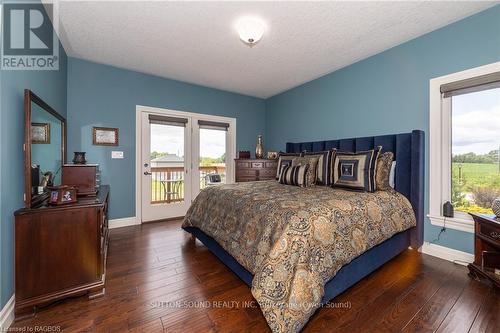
[[259, 149]]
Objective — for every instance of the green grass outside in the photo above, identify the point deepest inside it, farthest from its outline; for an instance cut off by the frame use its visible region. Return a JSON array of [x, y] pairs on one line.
[[157, 191], [476, 175]]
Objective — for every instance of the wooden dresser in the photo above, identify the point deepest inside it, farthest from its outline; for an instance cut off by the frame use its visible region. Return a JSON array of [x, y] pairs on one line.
[[486, 248], [86, 177], [248, 170], [60, 251]]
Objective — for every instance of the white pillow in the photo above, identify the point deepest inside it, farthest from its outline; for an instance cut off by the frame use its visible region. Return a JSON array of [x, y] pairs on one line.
[[392, 174]]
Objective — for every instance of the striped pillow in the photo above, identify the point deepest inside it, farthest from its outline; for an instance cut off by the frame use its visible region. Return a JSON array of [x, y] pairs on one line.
[[324, 167], [284, 160], [294, 175], [356, 170], [312, 161]]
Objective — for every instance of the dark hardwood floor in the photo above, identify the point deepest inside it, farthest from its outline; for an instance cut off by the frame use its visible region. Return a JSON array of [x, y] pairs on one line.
[[155, 270]]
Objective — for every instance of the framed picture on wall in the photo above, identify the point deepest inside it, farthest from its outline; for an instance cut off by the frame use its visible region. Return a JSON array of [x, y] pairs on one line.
[[40, 133], [105, 136]]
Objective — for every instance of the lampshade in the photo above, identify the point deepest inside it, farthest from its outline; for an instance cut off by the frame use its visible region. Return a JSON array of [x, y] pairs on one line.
[[250, 29]]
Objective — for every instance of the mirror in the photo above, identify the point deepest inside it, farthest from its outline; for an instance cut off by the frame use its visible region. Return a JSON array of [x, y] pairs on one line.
[[44, 149]]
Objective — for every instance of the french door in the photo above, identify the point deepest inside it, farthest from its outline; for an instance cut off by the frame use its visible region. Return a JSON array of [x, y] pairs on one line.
[[180, 154]]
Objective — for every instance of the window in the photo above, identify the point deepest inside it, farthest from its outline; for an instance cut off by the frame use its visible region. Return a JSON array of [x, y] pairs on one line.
[[464, 144], [475, 136]]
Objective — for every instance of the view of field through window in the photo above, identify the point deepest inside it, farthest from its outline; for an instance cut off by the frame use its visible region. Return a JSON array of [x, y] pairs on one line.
[[475, 150]]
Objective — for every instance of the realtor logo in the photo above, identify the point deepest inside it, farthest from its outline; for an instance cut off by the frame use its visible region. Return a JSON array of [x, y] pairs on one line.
[[29, 41]]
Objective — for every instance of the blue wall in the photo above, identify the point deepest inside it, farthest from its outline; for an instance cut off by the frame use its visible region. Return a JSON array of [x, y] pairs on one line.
[[51, 87], [101, 95], [386, 93]]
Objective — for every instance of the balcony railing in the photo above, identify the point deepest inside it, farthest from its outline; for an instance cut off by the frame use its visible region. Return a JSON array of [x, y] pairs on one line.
[[167, 183]]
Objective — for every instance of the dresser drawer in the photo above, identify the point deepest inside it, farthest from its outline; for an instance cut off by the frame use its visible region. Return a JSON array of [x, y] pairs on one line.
[[267, 173], [490, 232], [245, 165], [257, 165], [245, 179], [246, 173], [271, 165]]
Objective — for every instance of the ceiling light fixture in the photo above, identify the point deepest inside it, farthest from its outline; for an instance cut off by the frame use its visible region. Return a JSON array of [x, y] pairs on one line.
[[250, 29]]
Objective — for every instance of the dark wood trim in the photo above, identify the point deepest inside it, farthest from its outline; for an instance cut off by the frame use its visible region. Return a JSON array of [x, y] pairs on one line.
[[29, 97]]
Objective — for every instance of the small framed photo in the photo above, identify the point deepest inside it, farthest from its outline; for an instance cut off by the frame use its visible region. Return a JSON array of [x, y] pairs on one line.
[[61, 195], [105, 136], [40, 133]]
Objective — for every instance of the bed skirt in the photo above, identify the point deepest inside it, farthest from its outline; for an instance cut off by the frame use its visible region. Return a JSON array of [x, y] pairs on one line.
[[346, 277]]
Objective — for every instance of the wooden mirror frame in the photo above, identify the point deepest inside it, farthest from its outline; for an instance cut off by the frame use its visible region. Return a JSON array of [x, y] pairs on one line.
[[29, 97]]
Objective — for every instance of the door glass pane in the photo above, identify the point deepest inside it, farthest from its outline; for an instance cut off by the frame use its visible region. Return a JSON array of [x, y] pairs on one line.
[[212, 157], [167, 163], [475, 146]]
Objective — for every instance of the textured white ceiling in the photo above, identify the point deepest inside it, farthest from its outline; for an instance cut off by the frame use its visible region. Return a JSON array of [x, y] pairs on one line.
[[196, 41]]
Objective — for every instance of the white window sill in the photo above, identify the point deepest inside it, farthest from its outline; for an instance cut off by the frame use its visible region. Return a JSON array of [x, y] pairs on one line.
[[456, 223]]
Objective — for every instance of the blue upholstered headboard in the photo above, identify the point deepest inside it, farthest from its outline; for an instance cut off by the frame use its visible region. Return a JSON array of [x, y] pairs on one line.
[[408, 149]]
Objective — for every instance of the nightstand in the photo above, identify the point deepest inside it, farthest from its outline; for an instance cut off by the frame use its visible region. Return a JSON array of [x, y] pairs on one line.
[[486, 248]]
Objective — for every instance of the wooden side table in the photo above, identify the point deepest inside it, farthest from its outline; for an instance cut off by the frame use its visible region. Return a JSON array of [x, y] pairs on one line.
[[486, 248]]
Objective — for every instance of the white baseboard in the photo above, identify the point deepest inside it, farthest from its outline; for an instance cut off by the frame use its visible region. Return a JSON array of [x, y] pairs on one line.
[[7, 315], [446, 253], [123, 222]]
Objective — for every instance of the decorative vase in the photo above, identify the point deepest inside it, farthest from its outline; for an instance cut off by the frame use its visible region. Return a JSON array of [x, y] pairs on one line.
[[79, 157], [259, 150], [495, 206]]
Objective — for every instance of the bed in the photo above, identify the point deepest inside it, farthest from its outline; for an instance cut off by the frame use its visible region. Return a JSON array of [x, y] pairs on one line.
[[278, 239]]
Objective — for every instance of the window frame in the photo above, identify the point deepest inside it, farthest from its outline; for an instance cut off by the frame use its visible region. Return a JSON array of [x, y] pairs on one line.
[[440, 144]]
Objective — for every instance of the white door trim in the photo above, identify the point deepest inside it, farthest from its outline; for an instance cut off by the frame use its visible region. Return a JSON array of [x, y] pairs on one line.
[[7, 314], [140, 109]]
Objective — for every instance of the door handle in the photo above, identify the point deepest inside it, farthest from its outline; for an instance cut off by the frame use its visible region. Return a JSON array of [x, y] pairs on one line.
[[146, 173]]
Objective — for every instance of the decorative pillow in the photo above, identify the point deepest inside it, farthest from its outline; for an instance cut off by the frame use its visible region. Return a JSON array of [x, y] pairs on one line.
[[356, 170], [392, 175], [312, 161], [284, 160], [324, 167], [294, 175], [384, 164]]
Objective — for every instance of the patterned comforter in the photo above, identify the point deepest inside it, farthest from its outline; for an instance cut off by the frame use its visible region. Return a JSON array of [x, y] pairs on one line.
[[295, 239]]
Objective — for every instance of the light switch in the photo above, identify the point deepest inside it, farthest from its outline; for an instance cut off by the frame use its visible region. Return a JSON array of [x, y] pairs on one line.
[[116, 154]]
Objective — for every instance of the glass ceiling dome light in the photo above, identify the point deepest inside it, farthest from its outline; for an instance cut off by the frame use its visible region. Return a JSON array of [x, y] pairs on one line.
[[250, 29]]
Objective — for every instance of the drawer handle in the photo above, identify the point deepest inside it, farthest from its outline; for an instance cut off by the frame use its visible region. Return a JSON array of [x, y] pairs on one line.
[[495, 235]]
